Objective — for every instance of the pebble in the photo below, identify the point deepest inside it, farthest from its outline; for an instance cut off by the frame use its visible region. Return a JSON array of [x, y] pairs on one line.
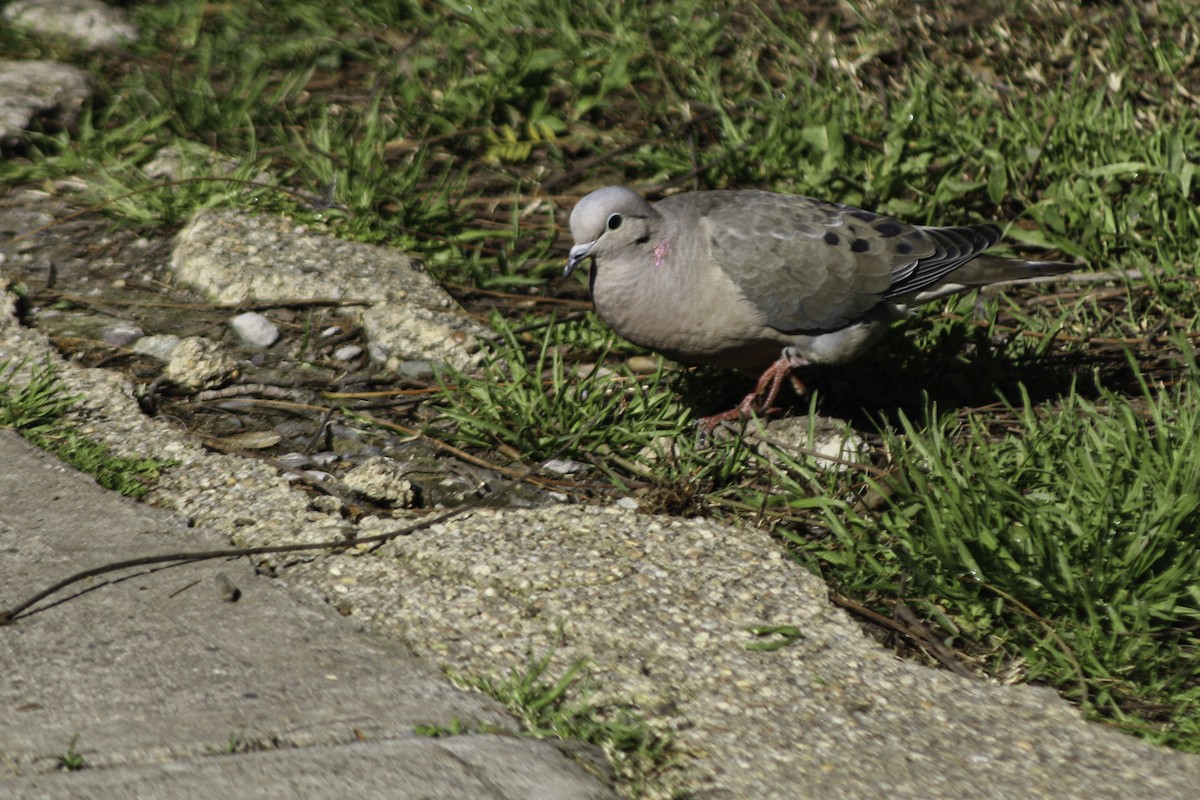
[[157, 346], [347, 352], [254, 329], [416, 370], [564, 466], [643, 365], [121, 334]]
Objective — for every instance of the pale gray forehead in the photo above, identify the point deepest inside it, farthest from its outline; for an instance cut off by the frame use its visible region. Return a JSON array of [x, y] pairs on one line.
[[590, 216]]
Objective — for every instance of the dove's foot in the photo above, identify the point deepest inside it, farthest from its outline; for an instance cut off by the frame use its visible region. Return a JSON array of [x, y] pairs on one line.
[[761, 400]]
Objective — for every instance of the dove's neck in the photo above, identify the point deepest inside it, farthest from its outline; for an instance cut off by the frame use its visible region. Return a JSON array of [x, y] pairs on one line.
[[636, 294]]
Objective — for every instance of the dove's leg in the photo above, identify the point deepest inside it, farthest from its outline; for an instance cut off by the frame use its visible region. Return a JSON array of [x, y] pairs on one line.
[[763, 397]]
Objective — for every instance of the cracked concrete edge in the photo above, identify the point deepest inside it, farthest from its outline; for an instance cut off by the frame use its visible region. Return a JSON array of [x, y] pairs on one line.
[[232, 256]]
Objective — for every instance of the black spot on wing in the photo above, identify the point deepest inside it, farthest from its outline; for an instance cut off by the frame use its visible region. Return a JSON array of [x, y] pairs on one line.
[[791, 256], [860, 246], [888, 228]]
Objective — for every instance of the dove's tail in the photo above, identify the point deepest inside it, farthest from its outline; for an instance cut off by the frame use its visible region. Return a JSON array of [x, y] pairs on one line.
[[983, 270], [986, 270]]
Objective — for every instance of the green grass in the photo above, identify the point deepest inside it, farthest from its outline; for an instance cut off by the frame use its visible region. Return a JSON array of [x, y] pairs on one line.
[[537, 404], [643, 759], [71, 760], [433, 730], [36, 409], [1058, 545], [1032, 491]]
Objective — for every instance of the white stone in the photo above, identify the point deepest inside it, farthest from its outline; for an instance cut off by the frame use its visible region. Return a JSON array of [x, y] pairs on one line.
[[159, 346], [121, 334], [254, 329], [30, 89], [348, 352], [89, 24]]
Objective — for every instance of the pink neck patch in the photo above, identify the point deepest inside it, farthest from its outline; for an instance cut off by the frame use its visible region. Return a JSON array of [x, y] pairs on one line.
[[661, 251]]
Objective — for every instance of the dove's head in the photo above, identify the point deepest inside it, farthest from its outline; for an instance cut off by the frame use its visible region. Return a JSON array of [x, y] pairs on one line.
[[607, 222]]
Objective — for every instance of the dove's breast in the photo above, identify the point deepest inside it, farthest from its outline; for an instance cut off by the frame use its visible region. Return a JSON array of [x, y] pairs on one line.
[[677, 303]]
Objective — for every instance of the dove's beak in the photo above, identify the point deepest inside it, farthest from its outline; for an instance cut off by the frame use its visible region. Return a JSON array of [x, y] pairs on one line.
[[578, 253]]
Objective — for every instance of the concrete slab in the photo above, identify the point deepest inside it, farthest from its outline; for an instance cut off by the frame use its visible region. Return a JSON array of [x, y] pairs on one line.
[[158, 671], [476, 767]]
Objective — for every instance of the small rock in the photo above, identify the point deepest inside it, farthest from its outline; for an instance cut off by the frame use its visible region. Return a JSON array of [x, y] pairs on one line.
[[564, 466], [586, 371], [452, 491], [294, 460], [831, 438], [326, 503], [660, 447], [158, 346], [325, 458], [361, 453], [188, 159], [416, 370], [199, 363], [38, 89], [308, 475], [72, 184], [89, 24], [643, 365], [121, 334], [254, 329], [381, 479], [347, 352]]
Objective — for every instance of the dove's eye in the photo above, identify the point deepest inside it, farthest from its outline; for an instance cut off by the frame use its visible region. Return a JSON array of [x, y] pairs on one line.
[[614, 221]]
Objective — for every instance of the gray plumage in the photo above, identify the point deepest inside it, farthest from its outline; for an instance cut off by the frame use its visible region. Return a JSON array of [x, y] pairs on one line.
[[744, 278]]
